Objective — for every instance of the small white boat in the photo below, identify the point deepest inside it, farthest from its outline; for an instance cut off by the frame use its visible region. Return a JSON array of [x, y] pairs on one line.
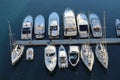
[[50, 57], [69, 23], [53, 25], [16, 53], [95, 25], [30, 54], [83, 25], [102, 54], [62, 57], [117, 26], [87, 56], [74, 55], [26, 31], [39, 27]]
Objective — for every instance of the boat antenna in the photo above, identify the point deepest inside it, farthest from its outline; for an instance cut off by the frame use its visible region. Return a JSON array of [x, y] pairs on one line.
[[10, 36]]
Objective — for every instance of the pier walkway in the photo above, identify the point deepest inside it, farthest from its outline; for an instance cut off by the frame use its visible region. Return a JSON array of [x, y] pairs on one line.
[[66, 41]]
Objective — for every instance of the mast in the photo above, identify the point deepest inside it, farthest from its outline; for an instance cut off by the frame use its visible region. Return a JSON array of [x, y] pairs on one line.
[[104, 25], [10, 37], [88, 29]]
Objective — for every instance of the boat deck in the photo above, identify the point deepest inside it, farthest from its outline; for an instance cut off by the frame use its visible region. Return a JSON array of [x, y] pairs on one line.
[[66, 41]]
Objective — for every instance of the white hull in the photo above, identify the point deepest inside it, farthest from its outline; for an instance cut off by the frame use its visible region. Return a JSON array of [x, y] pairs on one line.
[[83, 26], [102, 55], [74, 55], [87, 56], [117, 26], [50, 57], [16, 54], [30, 54], [95, 25], [62, 57], [53, 25], [39, 27], [69, 23], [26, 31]]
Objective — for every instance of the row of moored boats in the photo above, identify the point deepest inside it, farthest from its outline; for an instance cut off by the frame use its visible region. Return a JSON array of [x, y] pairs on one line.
[[72, 25], [73, 55]]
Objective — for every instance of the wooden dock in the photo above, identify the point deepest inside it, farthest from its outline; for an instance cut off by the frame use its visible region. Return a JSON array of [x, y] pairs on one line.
[[66, 41]]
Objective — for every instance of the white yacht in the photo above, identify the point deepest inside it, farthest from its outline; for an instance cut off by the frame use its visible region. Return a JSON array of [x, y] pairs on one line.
[[87, 56], [74, 55], [53, 25], [26, 31], [102, 54], [62, 57], [16, 53], [39, 27], [95, 25], [117, 26], [69, 23], [50, 57], [30, 54], [83, 25]]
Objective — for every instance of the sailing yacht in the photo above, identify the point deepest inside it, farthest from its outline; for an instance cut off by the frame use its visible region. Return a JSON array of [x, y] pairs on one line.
[[53, 25], [83, 25], [69, 23], [26, 31], [87, 56], [16, 53], [101, 51], [74, 55], [62, 57], [39, 27], [95, 25], [50, 57], [102, 54], [30, 54], [117, 26]]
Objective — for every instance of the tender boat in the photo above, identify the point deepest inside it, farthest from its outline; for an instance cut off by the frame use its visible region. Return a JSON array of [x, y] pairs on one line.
[[50, 57], [39, 27], [117, 26], [69, 23], [62, 57], [83, 25], [87, 56], [95, 25], [53, 25], [26, 31], [30, 54], [16, 53], [74, 55], [102, 54]]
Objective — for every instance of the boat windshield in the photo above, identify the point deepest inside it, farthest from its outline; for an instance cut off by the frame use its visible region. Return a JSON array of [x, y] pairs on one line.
[[62, 59], [54, 27], [118, 26], [26, 31], [83, 27], [73, 56], [50, 54], [96, 29]]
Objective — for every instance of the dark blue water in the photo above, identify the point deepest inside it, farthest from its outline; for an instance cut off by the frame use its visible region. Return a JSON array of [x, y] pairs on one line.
[[17, 10]]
